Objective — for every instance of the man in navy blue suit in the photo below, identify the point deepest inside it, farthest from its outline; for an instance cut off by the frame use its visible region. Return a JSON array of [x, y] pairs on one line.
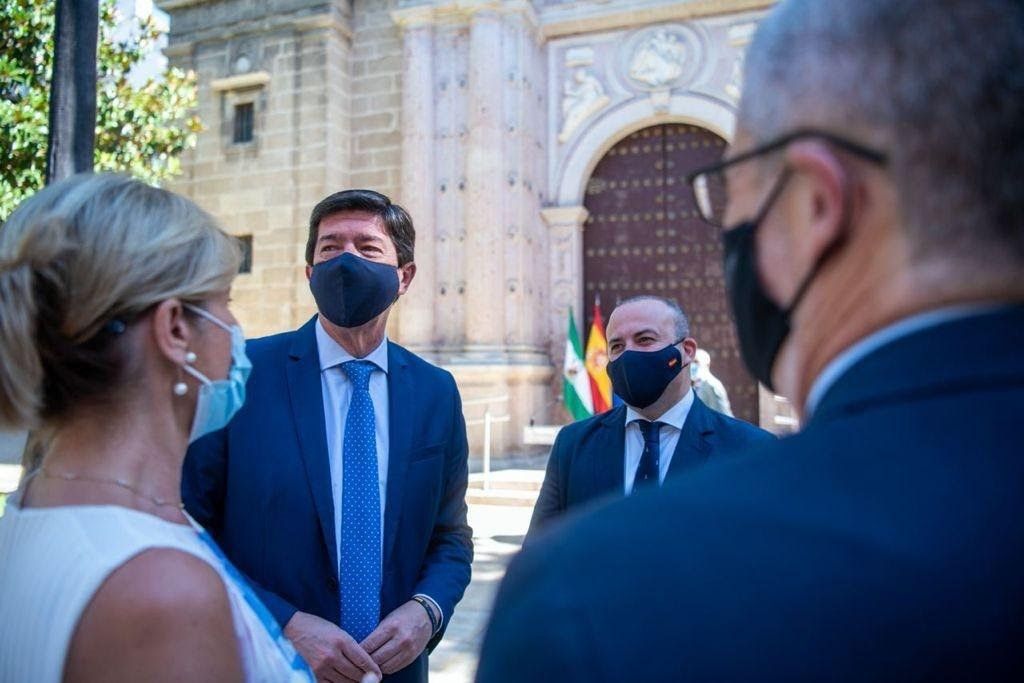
[[339, 488], [661, 430], [873, 228]]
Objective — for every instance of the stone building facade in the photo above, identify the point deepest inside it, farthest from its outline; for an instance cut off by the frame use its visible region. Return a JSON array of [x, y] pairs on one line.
[[491, 121]]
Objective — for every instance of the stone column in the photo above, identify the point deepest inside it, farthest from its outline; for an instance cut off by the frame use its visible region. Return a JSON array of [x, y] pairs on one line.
[[485, 258], [565, 224], [416, 319]]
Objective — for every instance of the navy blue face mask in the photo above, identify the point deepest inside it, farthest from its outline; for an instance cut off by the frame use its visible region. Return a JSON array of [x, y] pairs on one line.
[[640, 377], [351, 291]]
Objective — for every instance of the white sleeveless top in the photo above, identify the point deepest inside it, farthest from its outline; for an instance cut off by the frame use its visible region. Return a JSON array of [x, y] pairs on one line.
[[53, 560]]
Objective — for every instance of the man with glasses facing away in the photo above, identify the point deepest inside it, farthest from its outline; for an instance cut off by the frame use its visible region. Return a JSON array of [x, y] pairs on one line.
[[873, 223]]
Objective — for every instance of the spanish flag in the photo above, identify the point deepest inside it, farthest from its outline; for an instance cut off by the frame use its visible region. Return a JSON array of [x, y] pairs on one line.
[[597, 363]]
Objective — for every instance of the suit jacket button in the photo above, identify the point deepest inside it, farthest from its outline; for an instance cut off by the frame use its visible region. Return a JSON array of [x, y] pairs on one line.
[[332, 582]]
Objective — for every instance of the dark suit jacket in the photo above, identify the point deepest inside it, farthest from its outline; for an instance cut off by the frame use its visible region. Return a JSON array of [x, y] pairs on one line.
[[262, 486], [883, 543], [586, 461]]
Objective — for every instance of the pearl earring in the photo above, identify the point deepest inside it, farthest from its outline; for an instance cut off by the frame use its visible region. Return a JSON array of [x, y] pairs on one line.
[[180, 389], [190, 357]]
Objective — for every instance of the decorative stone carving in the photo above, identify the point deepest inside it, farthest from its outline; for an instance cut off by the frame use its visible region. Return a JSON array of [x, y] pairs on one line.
[[582, 96], [735, 85], [658, 59], [661, 100], [739, 36], [664, 58], [566, 265], [245, 56]]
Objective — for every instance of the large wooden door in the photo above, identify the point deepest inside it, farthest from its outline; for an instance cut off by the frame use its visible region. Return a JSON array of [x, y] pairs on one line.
[[644, 236]]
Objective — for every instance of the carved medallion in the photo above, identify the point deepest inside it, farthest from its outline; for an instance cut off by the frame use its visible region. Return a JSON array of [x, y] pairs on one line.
[[661, 58]]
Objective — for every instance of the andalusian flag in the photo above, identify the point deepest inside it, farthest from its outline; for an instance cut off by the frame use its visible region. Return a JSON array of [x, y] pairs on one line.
[[597, 363], [575, 380]]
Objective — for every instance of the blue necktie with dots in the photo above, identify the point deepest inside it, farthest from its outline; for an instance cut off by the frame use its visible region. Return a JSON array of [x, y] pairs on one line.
[[649, 469], [360, 561]]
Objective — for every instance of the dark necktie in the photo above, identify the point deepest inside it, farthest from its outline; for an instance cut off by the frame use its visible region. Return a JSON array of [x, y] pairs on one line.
[[650, 460], [360, 562]]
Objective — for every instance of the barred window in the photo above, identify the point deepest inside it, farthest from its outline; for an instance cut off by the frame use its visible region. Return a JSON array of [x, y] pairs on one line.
[[243, 122], [245, 242]]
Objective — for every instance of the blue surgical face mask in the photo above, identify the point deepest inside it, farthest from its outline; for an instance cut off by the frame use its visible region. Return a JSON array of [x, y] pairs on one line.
[[219, 400]]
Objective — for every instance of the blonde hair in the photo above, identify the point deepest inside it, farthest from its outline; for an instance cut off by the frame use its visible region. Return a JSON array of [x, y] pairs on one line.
[[79, 259]]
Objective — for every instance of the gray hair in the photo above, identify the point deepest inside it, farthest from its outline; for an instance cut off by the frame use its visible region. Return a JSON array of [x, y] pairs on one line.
[[938, 86], [78, 261], [681, 324]]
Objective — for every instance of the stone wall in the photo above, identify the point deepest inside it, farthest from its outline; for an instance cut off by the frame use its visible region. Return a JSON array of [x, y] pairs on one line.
[[376, 58], [291, 61]]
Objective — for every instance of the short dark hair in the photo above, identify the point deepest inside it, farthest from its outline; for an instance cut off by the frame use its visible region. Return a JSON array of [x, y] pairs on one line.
[[679, 319], [396, 220]]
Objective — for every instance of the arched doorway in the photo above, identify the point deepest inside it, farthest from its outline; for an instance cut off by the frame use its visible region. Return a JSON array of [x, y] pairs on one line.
[[644, 236]]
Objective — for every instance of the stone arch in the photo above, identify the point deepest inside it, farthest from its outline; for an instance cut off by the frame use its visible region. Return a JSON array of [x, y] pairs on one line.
[[616, 124]]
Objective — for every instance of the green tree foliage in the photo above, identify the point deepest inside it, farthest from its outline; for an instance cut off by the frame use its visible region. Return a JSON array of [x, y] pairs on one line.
[[141, 128]]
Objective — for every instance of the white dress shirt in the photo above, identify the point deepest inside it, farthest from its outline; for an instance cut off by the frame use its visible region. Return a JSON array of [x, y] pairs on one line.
[[674, 419], [337, 394]]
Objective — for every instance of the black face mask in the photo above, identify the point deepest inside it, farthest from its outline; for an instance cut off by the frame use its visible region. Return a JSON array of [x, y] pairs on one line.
[[762, 326], [351, 291], [640, 377]]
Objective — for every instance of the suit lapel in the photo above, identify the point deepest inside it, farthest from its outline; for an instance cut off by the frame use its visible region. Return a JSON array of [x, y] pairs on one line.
[[306, 393], [693, 447], [607, 452], [400, 430]]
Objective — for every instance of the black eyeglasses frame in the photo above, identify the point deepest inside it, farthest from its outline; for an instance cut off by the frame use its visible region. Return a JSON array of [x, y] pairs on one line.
[[872, 155]]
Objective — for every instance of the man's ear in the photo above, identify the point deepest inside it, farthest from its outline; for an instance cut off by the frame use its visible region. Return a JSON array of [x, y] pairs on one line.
[[171, 331], [405, 275], [823, 197], [309, 272], [689, 349]]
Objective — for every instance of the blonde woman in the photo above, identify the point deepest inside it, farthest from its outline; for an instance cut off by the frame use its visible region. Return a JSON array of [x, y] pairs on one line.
[[116, 339]]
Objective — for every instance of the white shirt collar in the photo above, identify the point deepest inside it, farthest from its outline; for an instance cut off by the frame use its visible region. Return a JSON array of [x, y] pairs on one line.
[[674, 416], [876, 340], [332, 354]]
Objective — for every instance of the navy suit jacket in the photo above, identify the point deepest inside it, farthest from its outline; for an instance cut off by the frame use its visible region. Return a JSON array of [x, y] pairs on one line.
[[884, 542], [587, 459], [262, 486]]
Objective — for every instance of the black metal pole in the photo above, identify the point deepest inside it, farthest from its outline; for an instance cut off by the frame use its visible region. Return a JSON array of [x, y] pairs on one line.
[[73, 89]]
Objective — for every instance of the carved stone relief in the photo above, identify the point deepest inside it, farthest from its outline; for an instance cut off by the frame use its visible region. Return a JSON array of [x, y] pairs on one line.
[[662, 57], [583, 94], [658, 60], [735, 84]]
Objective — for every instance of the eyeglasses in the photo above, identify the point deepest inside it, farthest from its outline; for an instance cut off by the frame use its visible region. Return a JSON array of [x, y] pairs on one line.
[[709, 183]]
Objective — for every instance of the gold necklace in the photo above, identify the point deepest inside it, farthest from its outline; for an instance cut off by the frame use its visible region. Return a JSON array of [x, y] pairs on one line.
[[68, 476]]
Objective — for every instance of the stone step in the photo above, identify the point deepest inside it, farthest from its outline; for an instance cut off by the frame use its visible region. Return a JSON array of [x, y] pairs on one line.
[[501, 497], [509, 480]]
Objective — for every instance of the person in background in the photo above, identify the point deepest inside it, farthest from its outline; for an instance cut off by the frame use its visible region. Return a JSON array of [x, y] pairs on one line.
[[709, 388], [873, 228], [117, 344], [662, 429], [340, 488]]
